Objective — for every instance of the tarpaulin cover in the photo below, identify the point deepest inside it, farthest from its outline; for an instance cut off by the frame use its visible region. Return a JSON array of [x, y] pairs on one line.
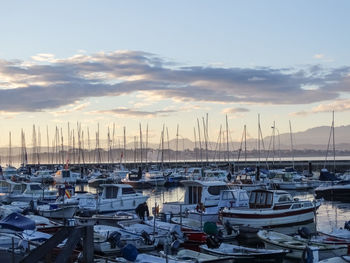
[[17, 222]]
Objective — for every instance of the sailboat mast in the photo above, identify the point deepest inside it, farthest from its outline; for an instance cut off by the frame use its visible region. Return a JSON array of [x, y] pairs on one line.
[[177, 145], [273, 142], [200, 143], [10, 150], [227, 144], [195, 143], [291, 142], [124, 144], [245, 145], [168, 140], [219, 150], [333, 141], [162, 155], [259, 135], [140, 144]]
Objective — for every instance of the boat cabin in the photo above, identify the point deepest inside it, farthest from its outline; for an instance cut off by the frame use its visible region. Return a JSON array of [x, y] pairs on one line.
[[7, 188], [9, 172], [233, 198], [267, 199], [114, 191], [194, 173], [202, 191], [63, 173]]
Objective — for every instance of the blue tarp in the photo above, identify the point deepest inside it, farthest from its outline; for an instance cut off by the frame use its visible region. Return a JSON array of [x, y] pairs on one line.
[[17, 222]]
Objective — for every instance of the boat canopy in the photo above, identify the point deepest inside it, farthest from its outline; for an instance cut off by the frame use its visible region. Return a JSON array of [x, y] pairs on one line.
[[17, 222]]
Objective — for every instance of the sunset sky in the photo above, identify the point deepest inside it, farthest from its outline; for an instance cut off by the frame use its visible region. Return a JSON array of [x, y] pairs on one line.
[[171, 62]]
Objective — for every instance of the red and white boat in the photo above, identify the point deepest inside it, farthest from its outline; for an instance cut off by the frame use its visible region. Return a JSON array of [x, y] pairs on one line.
[[271, 208]]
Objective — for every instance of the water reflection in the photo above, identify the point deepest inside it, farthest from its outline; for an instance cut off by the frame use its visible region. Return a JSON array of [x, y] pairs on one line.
[[330, 215]]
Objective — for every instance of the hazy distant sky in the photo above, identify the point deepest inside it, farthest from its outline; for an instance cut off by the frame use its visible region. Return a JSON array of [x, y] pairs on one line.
[[171, 62]]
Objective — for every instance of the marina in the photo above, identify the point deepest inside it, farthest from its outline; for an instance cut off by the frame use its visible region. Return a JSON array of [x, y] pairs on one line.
[[174, 131], [203, 211]]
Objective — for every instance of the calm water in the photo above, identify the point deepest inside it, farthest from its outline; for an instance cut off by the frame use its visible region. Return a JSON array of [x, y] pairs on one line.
[[330, 215]]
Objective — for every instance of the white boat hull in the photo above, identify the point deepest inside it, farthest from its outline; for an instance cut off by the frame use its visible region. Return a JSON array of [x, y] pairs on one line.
[[268, 218], [61, 212]]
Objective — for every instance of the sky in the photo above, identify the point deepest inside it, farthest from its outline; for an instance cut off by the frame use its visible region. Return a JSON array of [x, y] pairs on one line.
[[169, 63]]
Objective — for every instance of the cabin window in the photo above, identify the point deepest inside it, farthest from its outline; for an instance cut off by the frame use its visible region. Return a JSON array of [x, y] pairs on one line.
[[128, 191], [17, 188], [194, 194], [308, 204], [258, 195], [262, 199], [35, 187], [269, 198], [111, 192], [228, 196], [243, 196], [285, 198], [252, 197], [215, 190], [65, 173], [296, 206]]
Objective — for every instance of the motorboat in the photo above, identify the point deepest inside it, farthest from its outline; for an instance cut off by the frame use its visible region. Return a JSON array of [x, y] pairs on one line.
[[298, 246], [9, 172], [153, 234], [8, 187], [289, 179], [271, 208], [341, 259], [114, 197], [42, 176], [109, 239], [145, 180], [181, 256], [245, 254], [189, 226], [57, 211], [66, 176], [33, 191], [334, 191], [228, 198], [206, 193]]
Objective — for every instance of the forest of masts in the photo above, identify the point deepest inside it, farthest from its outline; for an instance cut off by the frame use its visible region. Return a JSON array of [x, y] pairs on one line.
[[78, 146]]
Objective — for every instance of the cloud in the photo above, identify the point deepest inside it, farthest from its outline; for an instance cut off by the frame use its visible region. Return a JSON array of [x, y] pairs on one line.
[[8, 115], [76, 107], [234, 110], [319, 56], [38, 86], [337, 106], [126, 113], [44, 57]]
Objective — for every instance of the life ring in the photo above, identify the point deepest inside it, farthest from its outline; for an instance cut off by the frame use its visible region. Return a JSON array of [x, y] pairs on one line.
[[307, 256]]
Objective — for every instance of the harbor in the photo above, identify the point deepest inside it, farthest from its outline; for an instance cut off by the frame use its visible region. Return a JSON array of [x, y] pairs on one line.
[[174, 131], [106, 213]]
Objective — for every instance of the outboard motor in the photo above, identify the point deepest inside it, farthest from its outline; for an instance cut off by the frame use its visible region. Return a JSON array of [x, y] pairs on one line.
[[213, 241], [347, 225], [228, 228], [304, 232], [114, 239], [146, 237], [174, 247]]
